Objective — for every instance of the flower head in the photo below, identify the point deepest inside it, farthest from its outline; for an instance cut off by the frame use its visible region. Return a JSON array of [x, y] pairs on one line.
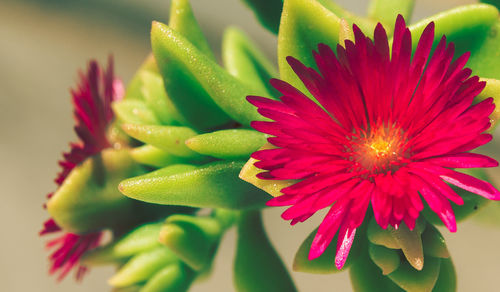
[[388, 129], [91, 99]]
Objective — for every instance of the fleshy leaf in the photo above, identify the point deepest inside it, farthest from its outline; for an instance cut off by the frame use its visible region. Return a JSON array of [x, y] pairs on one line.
[[386, 11], [447, 281], [273, 187], [246, 62], [88, 199], [141, 239], [496, 3], [386, 259], [227, 144], [410, 243], [304, 24], [134, 111], [465, 26], [412, 280], [142, 266], [152, 156], [173, 278], [486, 49], [214, 185], [379, 236], [365, 276], [256, 260], [167, 138], [193, 239], [197, 85], [434, 243], [324, 264], [153, 92], [183, 21], [492, 89], [133, 90]]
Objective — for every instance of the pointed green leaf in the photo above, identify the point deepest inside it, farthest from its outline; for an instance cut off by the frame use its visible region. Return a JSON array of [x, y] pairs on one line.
[[133, 90], [167, 138], [486, 48], [366, 276], [447, 281], [140, 239], [134, 112], [88, 200], [157, 100], [143, 266], [183, 21], [193, 239], [273, 187], [214, 185], [410, 243], [492, 89], [412, 280], [379, 236], [197, 85], [434, 243], [173, 278], [387, 259], [496, 3], [268, 12], [246, 62], [324, 264], [386, 11], [365, 24], [152, 156], [466, 26], [227, 144], [304, 24], [257, 266]]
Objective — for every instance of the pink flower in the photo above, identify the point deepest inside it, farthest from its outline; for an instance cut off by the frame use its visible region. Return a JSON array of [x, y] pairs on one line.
[[92, 112], [388, 130]]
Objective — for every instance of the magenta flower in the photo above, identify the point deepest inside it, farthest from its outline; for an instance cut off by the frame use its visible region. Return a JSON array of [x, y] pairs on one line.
[[388, 130], [93, 114]]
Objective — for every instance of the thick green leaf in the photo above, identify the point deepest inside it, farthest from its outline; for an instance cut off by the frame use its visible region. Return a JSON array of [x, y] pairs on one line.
[[387, 259], [143, 266], [193, 239], [183, 21], [133, 90], [410, 243], [268, 12], [152, 156], [141, 239], [227, 144], [365, 24], [214, 185], [304, 24], [88, 200], [386, 11], [434, 243], [492, 2], [245, 61], [153, 92], [197, 85], [379, 236], [412, 280], [324, 264], [167, 138], [447, 281], [486, 49], [134, 111], [466, 26], [173, 278], [273, 187], [492, 89], [366, 276], [257, 266]]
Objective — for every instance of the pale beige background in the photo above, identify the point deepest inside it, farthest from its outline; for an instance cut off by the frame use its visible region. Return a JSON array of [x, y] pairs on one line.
[[42, 43]]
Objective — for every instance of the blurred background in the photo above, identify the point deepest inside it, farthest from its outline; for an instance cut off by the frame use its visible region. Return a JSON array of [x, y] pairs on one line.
[[44, 43]]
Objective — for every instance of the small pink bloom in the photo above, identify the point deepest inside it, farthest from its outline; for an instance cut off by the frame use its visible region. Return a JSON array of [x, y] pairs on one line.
[[389, 130], [92, 99]]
